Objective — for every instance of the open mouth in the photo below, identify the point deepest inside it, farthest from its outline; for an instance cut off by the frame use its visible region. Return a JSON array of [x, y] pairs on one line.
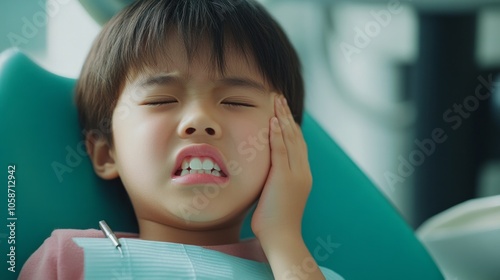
[[199, 165]]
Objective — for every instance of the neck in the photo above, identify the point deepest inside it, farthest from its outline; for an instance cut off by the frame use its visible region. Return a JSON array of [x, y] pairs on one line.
[[201, 236]]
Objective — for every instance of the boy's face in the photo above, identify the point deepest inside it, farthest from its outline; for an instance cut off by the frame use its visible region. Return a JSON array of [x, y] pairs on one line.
[[185, 112]]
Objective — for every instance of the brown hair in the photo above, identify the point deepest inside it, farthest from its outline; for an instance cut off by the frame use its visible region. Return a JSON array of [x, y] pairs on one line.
[[134, 39]]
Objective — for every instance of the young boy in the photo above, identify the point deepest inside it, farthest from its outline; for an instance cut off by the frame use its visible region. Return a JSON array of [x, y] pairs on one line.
[[199, 97]]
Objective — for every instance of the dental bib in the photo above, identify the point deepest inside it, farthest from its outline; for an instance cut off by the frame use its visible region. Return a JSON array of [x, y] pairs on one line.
[[144, 259]]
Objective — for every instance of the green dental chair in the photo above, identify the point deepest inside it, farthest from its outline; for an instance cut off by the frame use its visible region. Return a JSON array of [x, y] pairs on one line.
[[349, 226]]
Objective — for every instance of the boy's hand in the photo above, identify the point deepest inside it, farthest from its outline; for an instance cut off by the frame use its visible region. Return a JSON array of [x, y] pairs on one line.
[[281, 206], [277, 220]]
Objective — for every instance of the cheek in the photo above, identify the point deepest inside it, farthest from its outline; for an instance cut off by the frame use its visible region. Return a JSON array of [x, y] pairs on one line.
[[252, 149], [140, 147]]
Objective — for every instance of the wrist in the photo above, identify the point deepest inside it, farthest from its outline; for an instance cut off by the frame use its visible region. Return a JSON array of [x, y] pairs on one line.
[[290, 258], [290, 231], [280, 239]]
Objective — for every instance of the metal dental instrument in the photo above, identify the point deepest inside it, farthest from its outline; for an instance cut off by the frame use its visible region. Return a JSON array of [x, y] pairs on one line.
[[109, 234]]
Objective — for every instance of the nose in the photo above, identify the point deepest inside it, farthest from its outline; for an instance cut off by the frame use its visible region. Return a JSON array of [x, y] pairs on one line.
[[199, 123]]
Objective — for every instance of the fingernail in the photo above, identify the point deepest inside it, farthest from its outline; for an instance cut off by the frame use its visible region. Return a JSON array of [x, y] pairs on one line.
[[275, 122], [283, 105]]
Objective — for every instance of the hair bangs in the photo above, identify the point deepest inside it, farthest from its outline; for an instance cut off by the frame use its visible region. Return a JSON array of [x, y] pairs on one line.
[[136, 40], [205, 23]]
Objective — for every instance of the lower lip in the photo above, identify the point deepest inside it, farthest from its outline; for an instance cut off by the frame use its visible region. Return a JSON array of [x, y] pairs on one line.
[[199, 179]]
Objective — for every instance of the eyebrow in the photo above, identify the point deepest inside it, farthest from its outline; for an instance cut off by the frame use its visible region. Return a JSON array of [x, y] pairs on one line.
[[159, 80], [168, 79], [242, 82]]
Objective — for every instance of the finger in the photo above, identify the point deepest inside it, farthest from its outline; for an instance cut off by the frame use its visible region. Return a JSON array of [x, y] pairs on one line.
[[300, 161], [292, 137], [294, 141], [287, 130], [279, 153], [289, 115], [286, 124]]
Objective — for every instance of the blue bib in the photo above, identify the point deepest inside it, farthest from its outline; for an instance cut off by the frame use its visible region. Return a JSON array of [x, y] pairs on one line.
[[144, 259]]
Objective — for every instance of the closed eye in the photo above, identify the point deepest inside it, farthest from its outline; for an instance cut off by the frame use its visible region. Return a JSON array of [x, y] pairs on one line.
[[159, 102], [237, 104]]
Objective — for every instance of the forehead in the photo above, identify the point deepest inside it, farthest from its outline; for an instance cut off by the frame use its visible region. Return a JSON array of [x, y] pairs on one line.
[[175, 57]]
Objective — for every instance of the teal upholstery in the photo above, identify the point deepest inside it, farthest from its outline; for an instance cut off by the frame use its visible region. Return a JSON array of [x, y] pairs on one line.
[[349, 225]]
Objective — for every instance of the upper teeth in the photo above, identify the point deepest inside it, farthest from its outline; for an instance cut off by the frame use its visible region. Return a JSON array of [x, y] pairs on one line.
[[199, 165]]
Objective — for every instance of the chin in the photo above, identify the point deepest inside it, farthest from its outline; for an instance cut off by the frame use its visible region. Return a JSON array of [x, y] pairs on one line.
[[206, 219]]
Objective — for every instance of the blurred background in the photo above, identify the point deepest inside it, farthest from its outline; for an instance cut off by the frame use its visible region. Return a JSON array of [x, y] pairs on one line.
[[407, 88]]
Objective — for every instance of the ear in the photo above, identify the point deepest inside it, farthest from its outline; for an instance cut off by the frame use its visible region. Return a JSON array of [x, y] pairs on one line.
[[102, 157]]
